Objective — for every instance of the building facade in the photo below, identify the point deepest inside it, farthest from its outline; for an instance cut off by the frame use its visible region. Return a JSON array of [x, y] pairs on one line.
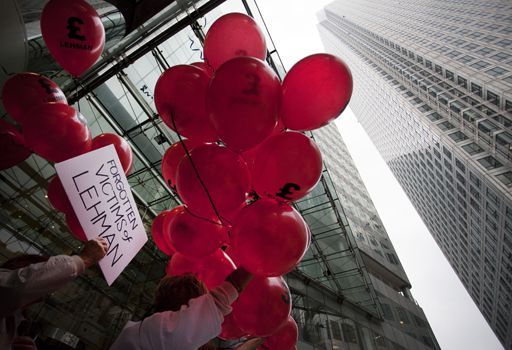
[[402, 322], [433, 90]]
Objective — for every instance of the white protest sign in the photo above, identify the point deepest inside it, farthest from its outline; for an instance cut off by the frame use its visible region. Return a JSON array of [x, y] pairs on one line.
[[103, 202]]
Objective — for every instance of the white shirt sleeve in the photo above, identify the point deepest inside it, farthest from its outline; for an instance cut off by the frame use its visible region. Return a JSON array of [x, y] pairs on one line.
[[186, 329], [23, 286]]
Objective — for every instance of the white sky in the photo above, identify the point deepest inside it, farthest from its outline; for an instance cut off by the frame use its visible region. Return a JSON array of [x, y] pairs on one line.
[[454, 318]]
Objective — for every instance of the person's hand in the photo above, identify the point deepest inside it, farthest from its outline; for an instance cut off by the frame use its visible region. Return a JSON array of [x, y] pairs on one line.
[[23, 343], [94, 250], [239, 278]]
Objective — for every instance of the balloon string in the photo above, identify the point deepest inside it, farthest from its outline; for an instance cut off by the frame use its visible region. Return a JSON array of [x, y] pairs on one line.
[[77, 84], [192, 42], [195, 170], [5, 70]]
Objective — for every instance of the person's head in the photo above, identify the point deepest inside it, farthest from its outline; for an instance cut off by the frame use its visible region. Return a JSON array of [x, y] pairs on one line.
[[174, 291], [22, 261]]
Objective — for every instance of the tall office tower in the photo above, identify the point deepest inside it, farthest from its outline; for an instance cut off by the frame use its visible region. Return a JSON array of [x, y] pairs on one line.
[[403, 321], [433, 90]]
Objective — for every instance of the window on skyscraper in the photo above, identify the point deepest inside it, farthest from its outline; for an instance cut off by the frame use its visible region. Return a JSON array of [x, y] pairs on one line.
[[508, 105], [493, 98], [505, 178], [428, 64], [480, 64], [439, 69], [349, 333], [501, 56], [458, 136], [433, 117], [453, 53], [462, 82], [457, 106], [489, 162], [471, 46], [475, 35], [465, 59], [506, 30], [446, 125], [425, 108], [488, 38], [473, 148], [485, 51], [496, 71], [504, 138], [459, 164], [449, 75], [477, 89], [504, 43], [387, 311]]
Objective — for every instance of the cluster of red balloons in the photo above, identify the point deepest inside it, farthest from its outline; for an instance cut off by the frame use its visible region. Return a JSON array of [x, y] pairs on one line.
[[52, 129], [57, 196], [243, 162]]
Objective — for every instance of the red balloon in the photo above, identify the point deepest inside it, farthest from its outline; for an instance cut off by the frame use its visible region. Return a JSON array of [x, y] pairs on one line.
[[181, 92], [123, 149], [73, 33], [172, 159], [223, 172], [74, 226], [287, 166], [12, 146], [207, 69], [243, 102], [284, 339], [229, 251], [160, 230], [58, 197], [193, 236], [212, 270], [228, 218], [230, 329], [215, 268], [58, 133], [315, 91], [263, 306], [269, 238], [232, 35], [24, 91], [179, 265]]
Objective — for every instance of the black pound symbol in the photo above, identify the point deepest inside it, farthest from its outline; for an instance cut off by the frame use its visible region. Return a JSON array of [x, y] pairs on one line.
[[47, 87], [286, 191], [74, 29]]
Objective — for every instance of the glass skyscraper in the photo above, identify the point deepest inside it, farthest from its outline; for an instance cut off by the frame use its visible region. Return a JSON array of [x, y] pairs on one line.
[[433, 90]]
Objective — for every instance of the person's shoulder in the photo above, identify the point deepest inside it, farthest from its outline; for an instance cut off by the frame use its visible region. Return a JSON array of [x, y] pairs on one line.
[[128, 338]]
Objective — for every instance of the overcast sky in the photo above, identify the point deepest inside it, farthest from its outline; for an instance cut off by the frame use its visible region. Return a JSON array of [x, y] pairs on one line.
[[454, 318]]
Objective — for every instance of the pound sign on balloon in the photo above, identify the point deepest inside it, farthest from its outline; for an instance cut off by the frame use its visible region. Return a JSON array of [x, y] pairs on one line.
[[286, 190], [73, 28], [47, 87]]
